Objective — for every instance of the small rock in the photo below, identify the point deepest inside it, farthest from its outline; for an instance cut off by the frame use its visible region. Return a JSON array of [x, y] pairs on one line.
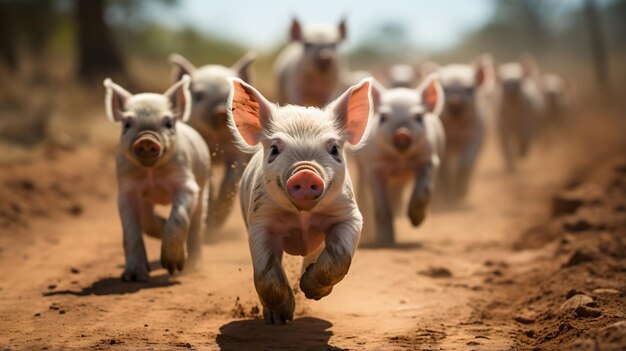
[[576, 301], [27, 184], [74, 270], [585, 311], [473, 343], [580, 256], [436, 272], [75, 209], [37, 314], [524, 319], [530, 333], [52, 286], [61, 311], [602, 291]]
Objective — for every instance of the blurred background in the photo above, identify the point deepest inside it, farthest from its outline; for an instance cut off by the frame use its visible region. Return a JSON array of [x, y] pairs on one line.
[[55, 53]]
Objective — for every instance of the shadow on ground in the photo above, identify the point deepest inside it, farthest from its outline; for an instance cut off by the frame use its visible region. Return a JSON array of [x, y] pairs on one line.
[[115, 286], [306, 333]]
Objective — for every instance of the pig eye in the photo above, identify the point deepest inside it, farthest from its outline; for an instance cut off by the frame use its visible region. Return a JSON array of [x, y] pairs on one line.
[[383, 117], [419, 117], [334, 152], [168, 123], [198, 96], [128, 123], [274, 152]]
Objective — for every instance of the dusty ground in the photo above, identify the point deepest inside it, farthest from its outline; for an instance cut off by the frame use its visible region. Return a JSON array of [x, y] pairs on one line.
[[489, 275]]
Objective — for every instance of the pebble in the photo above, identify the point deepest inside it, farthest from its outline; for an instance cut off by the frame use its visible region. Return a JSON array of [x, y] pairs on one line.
[[576, 301], [524, 319]]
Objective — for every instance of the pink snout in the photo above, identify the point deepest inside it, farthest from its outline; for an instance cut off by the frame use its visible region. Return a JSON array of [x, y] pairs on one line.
[[402, 139], [147, 149], [305, 187]]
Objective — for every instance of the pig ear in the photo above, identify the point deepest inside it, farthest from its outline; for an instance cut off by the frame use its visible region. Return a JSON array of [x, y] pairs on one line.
[[181, 66], [353, 112], [432, 94], [296, 30], [485, 72], [343, 29], [114, 100], [243, 66], [249, 115], [180, 98]]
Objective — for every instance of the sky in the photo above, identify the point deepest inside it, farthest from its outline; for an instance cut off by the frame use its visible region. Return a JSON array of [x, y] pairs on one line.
[[262, 24]]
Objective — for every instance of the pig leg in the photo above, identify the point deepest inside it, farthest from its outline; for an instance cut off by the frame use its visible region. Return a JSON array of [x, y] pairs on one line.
[[151, 223], [177, 226], [420, 197], [385, 235], [507, 152], [334, 261], [196, 229], [466, 167], [269, 277], [136, 267], [223, 203]]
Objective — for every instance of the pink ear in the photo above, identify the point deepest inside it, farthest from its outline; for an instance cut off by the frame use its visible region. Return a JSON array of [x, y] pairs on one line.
[[343, 30], [246, 111], [353, 110], [359, 107], [296, 30], [480, 75], [432, 94]]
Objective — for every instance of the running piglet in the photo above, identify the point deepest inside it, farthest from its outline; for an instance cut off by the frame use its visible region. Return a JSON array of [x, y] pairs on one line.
[[159, 160], [296, 194]]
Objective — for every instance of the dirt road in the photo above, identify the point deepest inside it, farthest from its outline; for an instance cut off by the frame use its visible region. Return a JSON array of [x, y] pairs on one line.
[[61, 258]]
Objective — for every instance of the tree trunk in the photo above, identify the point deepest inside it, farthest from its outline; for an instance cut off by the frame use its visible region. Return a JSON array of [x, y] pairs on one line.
[[97, 54], [598, 47], [8, 47]]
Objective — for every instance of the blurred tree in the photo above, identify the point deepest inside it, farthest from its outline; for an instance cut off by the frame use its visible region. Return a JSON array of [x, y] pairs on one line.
[[598, 46], [97, 54], [27, 25]]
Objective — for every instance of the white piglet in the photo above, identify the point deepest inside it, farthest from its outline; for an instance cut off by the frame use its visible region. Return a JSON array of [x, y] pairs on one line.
[[296, 194], [209, 91], [160, 160], [308, 70], [520, 110], [403, 150]]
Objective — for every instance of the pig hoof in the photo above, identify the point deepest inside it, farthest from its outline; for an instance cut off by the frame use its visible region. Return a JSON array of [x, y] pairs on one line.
[[417, 215], [173, 258], [311, 289], [135, 274], [280, 315]]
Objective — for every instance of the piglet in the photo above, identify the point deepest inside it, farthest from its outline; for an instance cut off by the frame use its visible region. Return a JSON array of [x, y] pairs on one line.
[[308, 70], [296, 194], [209, 91], [404, 149], [463, 119], [520, 108], [159, 160]]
